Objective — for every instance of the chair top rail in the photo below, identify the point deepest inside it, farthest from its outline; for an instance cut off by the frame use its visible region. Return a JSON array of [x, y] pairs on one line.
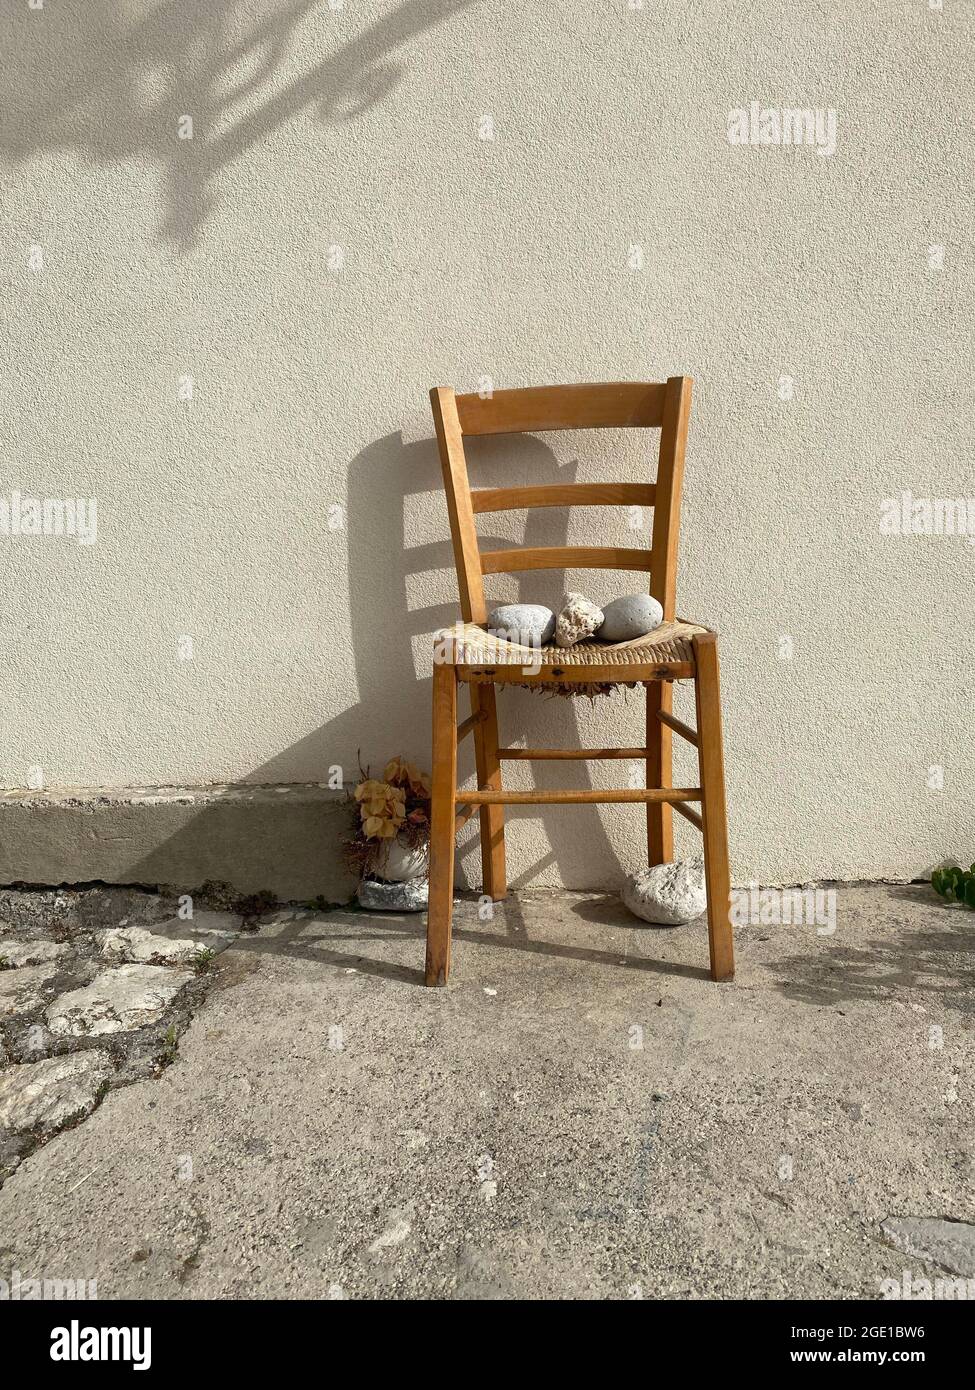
[[601, 405]]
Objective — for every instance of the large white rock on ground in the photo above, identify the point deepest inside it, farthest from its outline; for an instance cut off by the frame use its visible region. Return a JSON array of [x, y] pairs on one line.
[[130, 996], [667, 894], [45, 1095]]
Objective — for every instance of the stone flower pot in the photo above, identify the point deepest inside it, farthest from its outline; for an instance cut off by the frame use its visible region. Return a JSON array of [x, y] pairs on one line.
[[400, 862]]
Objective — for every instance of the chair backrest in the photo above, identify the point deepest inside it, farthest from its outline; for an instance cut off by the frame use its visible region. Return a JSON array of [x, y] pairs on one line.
[[653, 405]]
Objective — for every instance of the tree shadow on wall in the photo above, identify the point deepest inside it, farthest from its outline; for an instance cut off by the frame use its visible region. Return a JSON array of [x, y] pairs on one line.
[[110, 82]]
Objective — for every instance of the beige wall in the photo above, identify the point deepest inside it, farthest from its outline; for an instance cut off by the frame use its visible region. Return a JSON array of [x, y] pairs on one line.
[[508, 258]]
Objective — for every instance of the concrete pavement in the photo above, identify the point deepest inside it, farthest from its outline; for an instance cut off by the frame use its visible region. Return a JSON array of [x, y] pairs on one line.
[[580, 1114]]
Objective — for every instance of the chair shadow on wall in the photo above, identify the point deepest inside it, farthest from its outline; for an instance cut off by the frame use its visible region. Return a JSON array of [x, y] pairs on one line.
[[112, 82], [392, 650], [379, 508]]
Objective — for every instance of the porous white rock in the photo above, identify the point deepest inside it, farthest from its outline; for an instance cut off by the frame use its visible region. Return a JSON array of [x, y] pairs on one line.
[[410, 896], [578, 620], [116, 1001], [400, 863], [667, 894], [634, 615], [45, 1095], [531, 624]]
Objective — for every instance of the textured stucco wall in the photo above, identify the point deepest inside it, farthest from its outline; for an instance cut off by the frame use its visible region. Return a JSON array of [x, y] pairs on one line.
[[847, 654]]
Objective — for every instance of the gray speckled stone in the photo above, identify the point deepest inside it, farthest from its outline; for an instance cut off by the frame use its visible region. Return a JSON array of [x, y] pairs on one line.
[[629, 617], [531, 624], [667, 894], [410, 896], [578, 620]]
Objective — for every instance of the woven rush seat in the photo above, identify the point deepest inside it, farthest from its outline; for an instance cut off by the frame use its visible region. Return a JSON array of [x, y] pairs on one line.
[[473, 645]]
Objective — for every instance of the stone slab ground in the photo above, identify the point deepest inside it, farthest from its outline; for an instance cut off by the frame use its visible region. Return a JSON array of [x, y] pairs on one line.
[[580, 1114]]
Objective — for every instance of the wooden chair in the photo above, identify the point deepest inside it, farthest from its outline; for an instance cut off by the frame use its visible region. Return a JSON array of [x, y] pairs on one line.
[[470, 656]]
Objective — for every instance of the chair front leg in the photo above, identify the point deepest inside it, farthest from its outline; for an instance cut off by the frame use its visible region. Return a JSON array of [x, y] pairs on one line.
[[484, 702], [713, 812], [660, 817], [443, 785]]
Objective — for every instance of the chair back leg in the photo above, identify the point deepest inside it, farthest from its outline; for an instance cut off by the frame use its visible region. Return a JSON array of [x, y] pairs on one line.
[[713, 812], [443, 784]]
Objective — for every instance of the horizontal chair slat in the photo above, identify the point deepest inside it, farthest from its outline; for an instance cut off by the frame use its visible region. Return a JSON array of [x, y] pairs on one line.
[[570, 754], [604, 404], [563, 557], [513, 499], [671, 795]]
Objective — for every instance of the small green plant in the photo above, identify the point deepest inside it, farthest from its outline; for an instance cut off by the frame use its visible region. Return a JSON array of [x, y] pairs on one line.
[[955, 884], [5, 964], [170, 1043], [203, 961]]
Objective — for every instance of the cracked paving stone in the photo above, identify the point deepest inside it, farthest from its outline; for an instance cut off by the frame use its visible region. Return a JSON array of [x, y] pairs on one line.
[[950, 1244], [44, 1096], [174, 942], [118, 1000], [55, 968], [18, 953], [20, 990], [201, 924]]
